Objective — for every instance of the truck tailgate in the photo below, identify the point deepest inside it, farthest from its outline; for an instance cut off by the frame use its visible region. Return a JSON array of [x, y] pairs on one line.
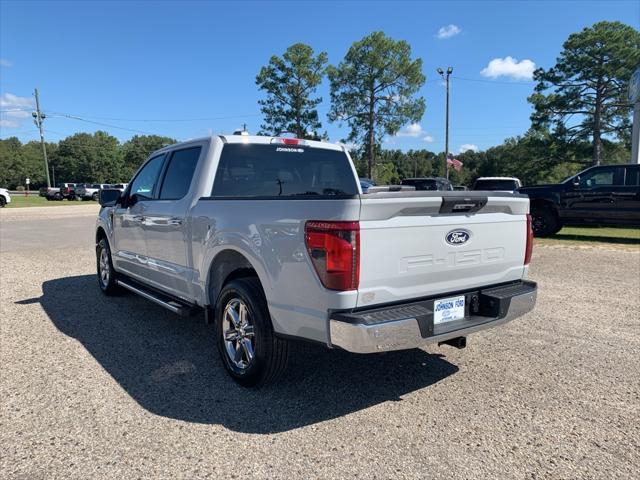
[[424, 243]]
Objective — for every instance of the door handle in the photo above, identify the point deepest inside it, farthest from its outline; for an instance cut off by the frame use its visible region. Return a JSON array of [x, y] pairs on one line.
[[174, 222], [137, 218]]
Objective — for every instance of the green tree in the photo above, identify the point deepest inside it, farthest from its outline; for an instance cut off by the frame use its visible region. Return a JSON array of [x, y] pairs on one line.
[[373, 90], [587, 87], [11, 163], [34, 163], [137, 150], [86, 157], [290, 81]]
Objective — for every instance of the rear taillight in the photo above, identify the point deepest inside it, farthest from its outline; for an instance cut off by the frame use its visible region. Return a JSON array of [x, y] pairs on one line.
[[334, 248], [529, 248]]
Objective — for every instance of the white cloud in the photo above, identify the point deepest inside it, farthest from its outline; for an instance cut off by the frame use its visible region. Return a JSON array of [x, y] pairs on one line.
[[5, 63], [9, 123], [509, 67], [448, 31], [468, 146], [413, 130], [14, 107], [429, 139]]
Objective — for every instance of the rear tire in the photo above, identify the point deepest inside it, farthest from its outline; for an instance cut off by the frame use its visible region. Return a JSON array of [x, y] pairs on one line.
[[94, 197], [107, 277], [250, 352], [545, 222], [3, 202]]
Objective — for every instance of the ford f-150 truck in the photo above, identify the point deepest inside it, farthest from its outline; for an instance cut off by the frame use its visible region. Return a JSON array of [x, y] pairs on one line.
[[274, 240]]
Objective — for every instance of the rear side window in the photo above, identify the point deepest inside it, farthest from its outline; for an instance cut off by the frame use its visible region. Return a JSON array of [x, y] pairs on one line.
[[632, 177], [179, 174], [276, 171]]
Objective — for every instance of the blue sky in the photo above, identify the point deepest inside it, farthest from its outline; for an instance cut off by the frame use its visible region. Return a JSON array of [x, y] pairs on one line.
[[184, 69]]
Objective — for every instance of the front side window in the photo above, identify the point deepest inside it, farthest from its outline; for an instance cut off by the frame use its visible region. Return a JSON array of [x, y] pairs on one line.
[[145, 181], [277, 171], [599, 177], [179, 174]]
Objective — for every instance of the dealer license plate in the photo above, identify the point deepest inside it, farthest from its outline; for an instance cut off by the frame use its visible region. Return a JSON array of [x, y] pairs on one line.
[[448, 310]]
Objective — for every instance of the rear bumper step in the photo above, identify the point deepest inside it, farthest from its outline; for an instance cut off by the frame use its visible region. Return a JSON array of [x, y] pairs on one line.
[[410, 325], [158, 298]]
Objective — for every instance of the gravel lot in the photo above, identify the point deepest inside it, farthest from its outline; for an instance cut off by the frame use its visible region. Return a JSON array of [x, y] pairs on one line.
[[119, 388]]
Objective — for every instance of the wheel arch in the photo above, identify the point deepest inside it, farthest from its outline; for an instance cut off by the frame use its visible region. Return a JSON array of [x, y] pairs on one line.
[[100, 234], [227, 265], [544, 203]]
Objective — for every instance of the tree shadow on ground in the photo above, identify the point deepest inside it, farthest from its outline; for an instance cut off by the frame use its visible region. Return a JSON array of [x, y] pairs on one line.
[[170, 365]]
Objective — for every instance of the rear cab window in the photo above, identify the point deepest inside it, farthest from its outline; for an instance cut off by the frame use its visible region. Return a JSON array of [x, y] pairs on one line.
[[279, 171]]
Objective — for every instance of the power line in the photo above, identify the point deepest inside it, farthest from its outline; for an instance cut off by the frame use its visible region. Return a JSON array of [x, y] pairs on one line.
[[202, 119], [479, 80], [74, 117]]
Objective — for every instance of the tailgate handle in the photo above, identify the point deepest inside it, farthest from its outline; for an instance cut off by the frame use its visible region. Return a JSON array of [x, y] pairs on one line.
[[462, 204]]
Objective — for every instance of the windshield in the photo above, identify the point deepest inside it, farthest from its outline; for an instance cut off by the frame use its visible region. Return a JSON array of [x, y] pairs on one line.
[[421, 183], [251, 170], [495, 185]]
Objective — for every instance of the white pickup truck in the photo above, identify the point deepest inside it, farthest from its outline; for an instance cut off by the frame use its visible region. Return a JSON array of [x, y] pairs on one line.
[[274, 240]]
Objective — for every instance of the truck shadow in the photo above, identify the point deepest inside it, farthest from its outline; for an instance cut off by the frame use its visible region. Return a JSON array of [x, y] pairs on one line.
[[170, 366]]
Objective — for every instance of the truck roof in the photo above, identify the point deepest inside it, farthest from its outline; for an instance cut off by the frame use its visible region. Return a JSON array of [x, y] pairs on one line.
[[497, 178], [257, 139]]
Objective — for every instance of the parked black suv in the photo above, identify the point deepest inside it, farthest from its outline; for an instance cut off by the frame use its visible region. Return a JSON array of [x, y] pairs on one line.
[[607, 195]]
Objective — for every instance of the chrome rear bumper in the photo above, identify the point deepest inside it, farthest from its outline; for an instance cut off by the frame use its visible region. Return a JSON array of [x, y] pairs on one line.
[[410, 325]]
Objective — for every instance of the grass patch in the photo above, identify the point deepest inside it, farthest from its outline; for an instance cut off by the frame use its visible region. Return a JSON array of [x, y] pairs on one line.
[[36, 201], [594, 235]]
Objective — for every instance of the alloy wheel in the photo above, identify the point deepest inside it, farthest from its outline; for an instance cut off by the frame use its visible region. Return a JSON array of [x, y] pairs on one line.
[[238, 334], [105, 271]]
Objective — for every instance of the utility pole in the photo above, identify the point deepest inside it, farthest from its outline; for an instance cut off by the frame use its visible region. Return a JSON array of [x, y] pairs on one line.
[[446, 141], [634, 98], [38, 118]]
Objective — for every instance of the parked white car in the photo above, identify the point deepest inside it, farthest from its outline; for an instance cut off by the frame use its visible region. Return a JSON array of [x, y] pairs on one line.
[[274, 240], [5, 198]]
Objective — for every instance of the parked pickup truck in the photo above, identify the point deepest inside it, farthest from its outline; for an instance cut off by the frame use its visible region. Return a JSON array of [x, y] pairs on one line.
[[89, 191], [606, 195], [274, 240]]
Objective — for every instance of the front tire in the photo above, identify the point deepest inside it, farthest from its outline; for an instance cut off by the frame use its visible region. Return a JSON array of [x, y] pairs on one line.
[[248, 347], [3, 201], [94, 197], [544, 222], [106, 274]]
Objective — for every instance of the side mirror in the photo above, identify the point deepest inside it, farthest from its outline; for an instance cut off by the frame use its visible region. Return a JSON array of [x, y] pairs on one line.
[[576, 181], [108, 198]]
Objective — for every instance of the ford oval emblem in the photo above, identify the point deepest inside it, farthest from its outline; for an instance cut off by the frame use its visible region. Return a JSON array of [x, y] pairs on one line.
[[458, 237]]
